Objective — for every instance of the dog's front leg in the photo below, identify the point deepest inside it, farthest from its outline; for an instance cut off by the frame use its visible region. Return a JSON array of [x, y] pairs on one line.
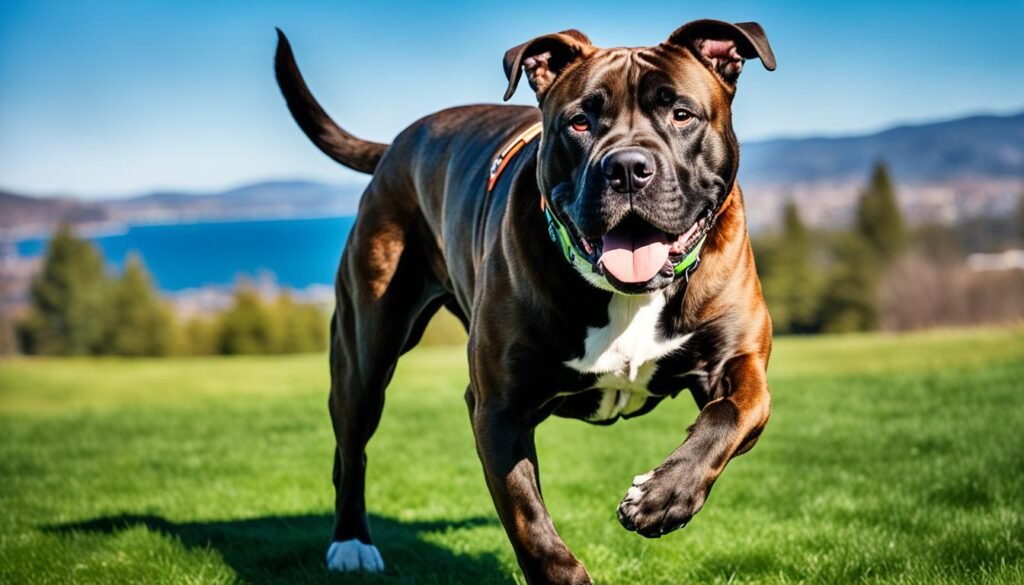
[[665, 498], [504, 441]]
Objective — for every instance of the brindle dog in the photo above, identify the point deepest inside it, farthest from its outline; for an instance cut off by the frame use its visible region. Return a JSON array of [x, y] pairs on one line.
[[637, 162]]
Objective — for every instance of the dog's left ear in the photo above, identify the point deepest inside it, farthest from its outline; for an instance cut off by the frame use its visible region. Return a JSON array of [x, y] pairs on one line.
[[543, 58], [723, 46]]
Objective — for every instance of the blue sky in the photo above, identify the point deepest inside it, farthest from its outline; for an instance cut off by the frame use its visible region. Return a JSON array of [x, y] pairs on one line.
[[115, 98]]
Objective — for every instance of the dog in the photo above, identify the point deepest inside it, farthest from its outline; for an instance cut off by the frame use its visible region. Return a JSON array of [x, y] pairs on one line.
[[594, 247]]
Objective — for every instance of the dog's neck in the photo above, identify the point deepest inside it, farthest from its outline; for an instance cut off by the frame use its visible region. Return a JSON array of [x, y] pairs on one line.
[[723, 259]]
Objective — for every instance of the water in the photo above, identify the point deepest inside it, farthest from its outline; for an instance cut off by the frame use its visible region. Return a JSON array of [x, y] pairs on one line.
[[299, 252]]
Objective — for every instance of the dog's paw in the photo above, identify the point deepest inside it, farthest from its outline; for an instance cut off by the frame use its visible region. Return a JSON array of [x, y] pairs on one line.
[[352, 555], [659, 502]]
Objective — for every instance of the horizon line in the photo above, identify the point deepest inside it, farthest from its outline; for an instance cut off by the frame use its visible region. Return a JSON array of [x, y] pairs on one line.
[[351, 178]]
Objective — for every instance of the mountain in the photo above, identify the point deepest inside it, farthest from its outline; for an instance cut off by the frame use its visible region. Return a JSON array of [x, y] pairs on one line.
[[258, 200], [965, 148], [23, 216], [944, 171]]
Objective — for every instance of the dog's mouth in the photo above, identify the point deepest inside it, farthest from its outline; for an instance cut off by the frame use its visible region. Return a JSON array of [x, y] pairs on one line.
[[634, 252]]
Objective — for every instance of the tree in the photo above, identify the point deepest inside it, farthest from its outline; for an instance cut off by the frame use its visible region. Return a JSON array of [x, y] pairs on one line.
[[246, 328], [283, 326], [851, 298], [138, 323], [790, 279], [878, 218], [67, 300], [197, 336]]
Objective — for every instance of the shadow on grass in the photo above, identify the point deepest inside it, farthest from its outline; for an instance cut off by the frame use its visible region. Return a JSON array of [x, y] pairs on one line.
[[291, 549]]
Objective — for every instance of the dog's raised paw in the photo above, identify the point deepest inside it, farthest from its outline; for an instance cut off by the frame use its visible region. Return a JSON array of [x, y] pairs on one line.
[[659, 502], [351, 556]]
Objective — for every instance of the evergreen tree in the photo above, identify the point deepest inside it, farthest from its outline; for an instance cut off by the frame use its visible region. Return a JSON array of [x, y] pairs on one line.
[[67, 300], [790, 279], [850, 300], [139, 322], [878, 219]]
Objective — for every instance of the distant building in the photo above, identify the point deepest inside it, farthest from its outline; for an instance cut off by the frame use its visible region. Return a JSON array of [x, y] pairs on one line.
[[1008, 260]]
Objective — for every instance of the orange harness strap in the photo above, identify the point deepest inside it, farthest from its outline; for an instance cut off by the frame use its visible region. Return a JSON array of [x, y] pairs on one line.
[[505, 156]]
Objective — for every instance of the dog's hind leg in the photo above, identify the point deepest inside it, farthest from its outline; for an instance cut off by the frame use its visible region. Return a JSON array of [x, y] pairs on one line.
[[386, 292]]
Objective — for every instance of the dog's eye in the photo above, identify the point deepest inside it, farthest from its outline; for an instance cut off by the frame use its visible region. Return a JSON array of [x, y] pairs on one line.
[[580, 123], [681, 117]]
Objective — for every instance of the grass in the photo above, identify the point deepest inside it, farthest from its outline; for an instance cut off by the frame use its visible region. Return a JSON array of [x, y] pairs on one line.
[[894, 459]]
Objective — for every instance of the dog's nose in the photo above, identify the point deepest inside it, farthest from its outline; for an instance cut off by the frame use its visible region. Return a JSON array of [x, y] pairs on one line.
[[628, 169]]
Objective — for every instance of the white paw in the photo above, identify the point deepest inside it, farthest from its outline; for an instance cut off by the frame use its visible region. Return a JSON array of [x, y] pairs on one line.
[[635, 492], [352, 555]]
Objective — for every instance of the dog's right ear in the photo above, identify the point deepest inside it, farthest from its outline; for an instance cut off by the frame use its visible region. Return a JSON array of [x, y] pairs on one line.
[[543, 58]]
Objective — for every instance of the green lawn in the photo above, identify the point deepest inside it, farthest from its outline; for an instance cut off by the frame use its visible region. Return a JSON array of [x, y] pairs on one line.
[[895, 459]]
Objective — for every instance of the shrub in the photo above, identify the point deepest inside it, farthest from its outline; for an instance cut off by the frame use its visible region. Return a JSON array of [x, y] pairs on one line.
[[283, 326]]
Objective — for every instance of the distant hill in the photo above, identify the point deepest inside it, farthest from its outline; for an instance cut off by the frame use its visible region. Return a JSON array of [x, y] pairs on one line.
[[945, 171], [18, 212], [990, 147], [266, 199], [24, 216]]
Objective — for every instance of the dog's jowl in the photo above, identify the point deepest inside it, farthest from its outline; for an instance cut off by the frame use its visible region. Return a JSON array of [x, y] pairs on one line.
[[595, 248]]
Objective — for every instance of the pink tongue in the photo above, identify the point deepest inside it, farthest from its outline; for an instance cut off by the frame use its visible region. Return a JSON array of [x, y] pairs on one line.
[[634, 257]]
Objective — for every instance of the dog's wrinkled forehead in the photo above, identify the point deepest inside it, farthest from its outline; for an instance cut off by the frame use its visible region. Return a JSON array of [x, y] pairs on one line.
[[612, 79]]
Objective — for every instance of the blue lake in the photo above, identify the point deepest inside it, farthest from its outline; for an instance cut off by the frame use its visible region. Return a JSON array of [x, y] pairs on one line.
[[299, 252]]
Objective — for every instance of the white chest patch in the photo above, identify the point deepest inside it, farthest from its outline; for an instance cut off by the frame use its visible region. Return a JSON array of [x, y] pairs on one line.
[[624, 353]]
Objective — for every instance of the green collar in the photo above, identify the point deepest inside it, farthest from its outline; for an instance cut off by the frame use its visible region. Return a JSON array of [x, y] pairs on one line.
[[560, 235]]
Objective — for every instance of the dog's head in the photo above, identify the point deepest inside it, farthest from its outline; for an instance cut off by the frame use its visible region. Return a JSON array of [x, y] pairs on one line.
[[638, 150]]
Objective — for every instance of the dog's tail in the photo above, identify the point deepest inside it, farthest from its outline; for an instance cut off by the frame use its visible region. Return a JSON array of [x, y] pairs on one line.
[[355, 153]]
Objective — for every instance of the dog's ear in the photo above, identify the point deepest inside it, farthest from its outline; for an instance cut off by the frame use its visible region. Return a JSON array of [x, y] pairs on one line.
[[723, 46], [543, 58]]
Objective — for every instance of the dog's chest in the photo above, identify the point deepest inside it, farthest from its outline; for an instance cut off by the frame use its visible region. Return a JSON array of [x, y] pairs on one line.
[[624, 353]]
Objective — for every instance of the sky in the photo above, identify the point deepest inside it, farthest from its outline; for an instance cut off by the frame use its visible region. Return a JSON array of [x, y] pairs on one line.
[[107, 99]]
